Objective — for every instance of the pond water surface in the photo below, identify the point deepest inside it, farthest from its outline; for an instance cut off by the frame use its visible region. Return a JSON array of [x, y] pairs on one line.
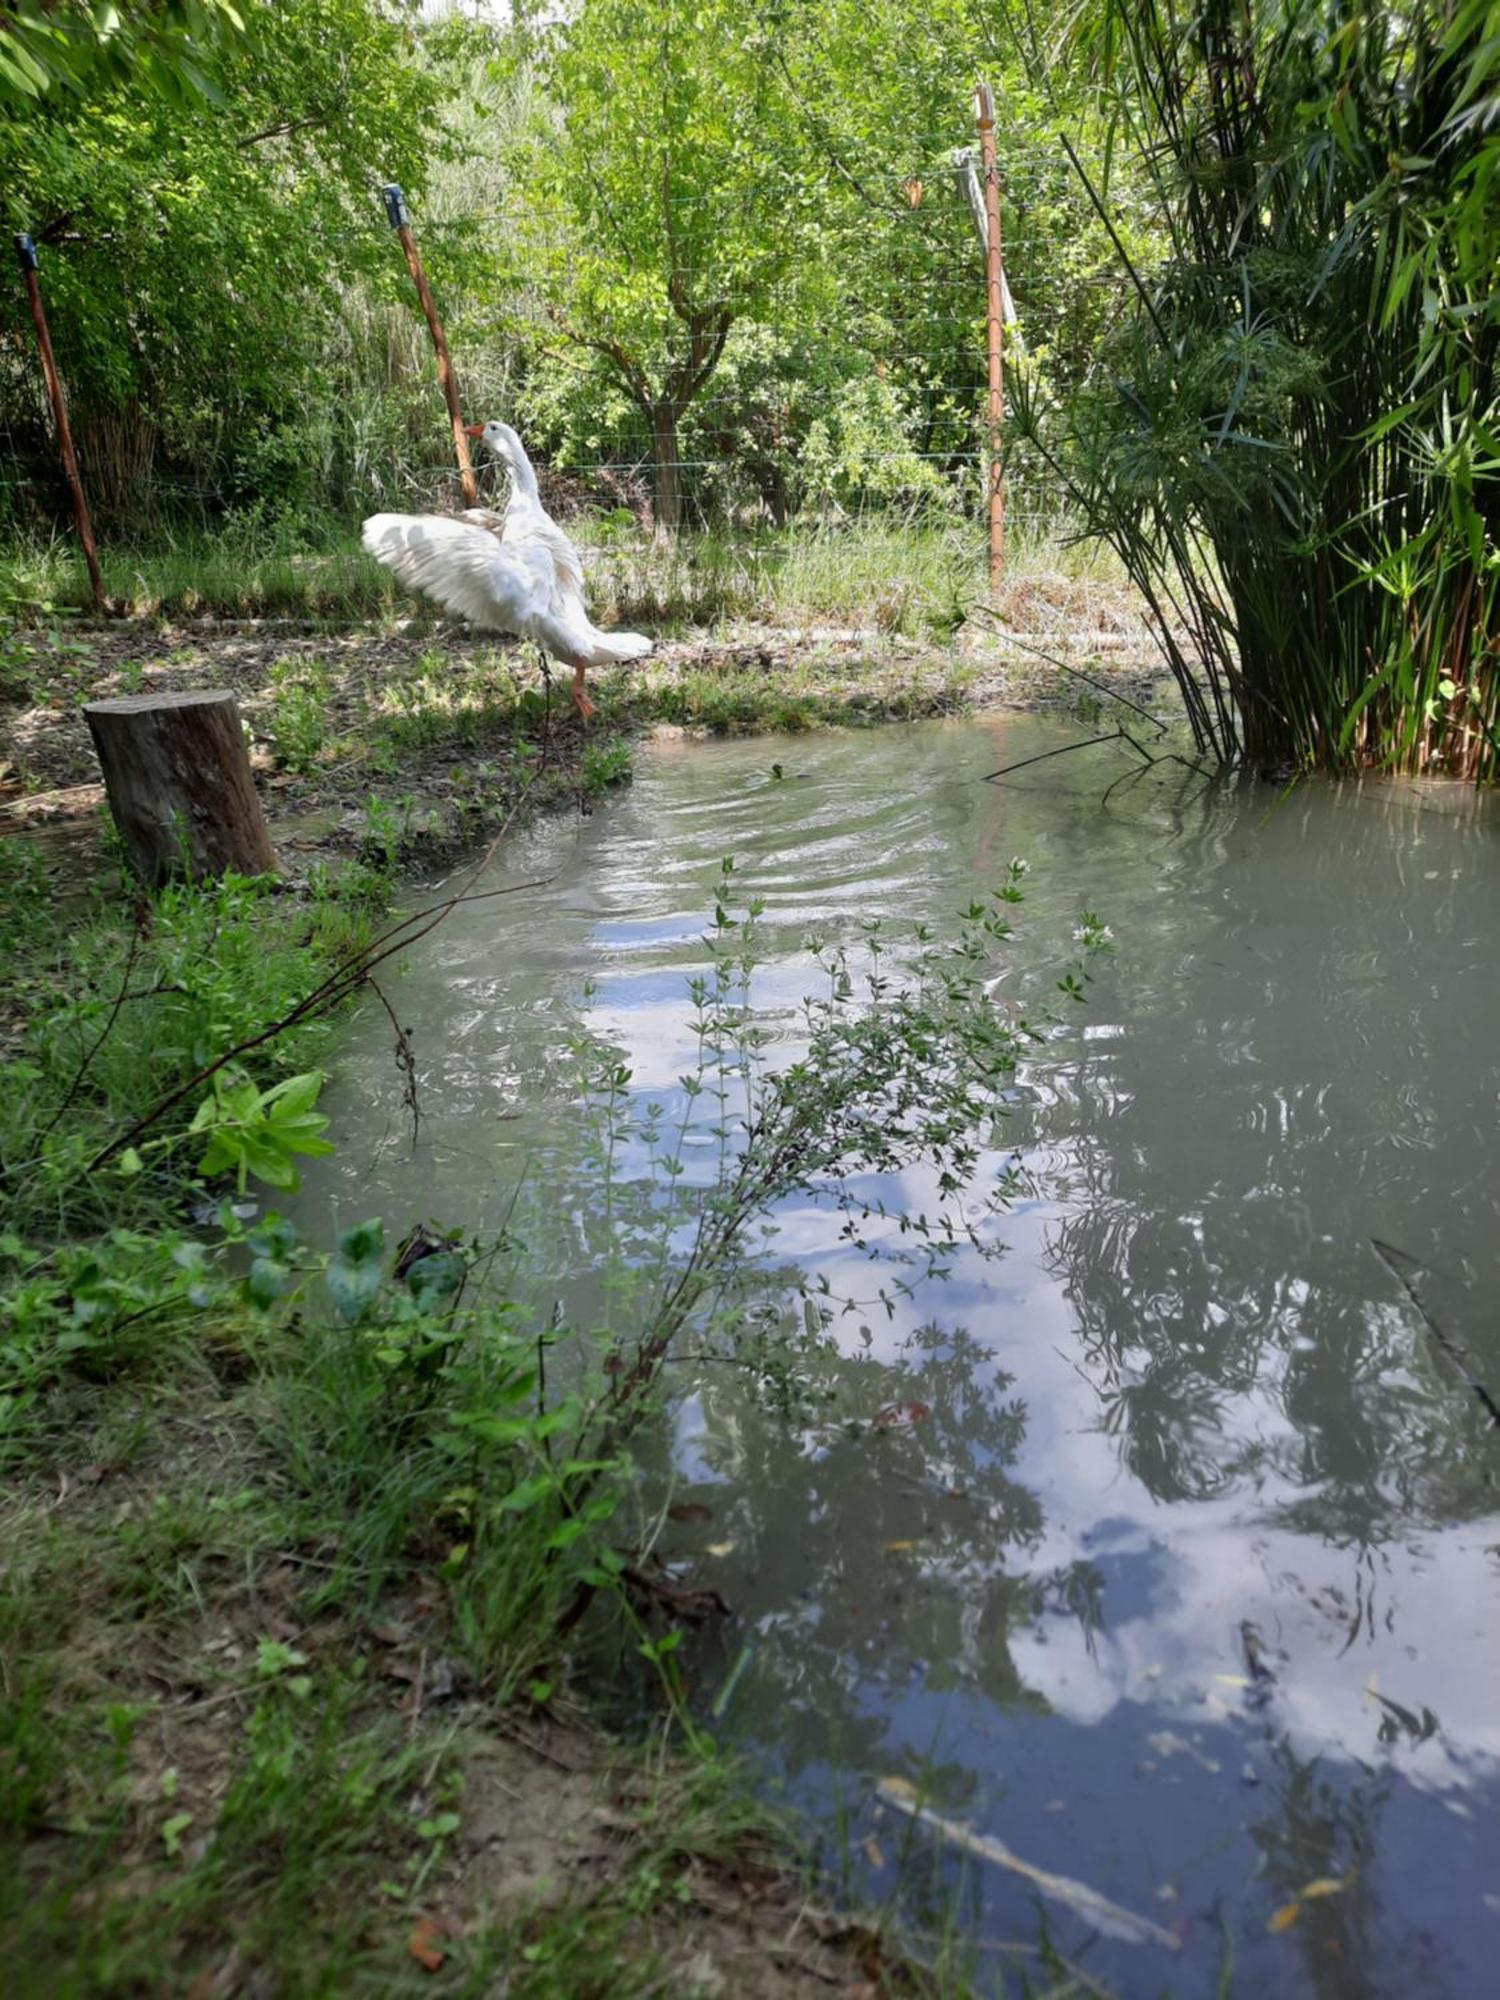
[[1188, 1585]]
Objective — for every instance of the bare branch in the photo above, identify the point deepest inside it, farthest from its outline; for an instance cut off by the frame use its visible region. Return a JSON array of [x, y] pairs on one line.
[[283, 131]]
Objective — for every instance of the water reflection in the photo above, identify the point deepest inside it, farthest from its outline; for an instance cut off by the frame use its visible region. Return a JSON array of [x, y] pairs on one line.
[[1186, 1583], [1307, 1069], [891, 1546]]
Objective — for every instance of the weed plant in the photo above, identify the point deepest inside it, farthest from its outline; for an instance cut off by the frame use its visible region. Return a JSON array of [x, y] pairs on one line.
[[299, 713]]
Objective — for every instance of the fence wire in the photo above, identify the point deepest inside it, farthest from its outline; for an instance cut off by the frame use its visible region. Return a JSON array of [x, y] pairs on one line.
[[888, 408]]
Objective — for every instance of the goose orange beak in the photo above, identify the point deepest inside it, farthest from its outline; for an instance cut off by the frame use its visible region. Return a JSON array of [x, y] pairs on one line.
[[473, 430]]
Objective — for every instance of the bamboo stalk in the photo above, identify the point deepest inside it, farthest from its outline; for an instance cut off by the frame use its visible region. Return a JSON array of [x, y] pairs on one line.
[[1258, 441]]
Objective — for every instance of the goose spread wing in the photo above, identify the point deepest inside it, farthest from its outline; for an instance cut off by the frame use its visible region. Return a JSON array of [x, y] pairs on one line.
[[464, 568]]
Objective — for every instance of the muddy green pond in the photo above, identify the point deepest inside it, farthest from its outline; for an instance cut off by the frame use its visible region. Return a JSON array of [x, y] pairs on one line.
[[1184, 1583]]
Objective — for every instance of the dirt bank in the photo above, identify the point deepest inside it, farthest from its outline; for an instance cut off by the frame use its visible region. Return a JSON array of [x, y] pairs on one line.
[[416, 739]]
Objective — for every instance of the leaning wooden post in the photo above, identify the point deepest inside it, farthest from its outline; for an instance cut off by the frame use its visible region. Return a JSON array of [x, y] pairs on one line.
[[400, 218], [995, 289], [26, 253], [177, 772]]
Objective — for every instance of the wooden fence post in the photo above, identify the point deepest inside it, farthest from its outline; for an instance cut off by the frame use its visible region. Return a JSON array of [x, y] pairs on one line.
[[400, 220], [26, 254], [995, 316]]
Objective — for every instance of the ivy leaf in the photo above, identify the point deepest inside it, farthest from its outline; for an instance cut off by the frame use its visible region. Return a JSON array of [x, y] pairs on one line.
[[268, 1281], [356, 1274]]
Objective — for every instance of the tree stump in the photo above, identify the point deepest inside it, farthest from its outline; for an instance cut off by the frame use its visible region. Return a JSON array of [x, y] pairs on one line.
[[177, 772]]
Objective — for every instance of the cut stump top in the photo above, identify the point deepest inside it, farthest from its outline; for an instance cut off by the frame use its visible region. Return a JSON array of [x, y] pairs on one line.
[[141, 704]]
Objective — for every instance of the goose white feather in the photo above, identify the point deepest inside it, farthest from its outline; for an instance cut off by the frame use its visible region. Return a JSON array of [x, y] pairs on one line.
[[517, 572]]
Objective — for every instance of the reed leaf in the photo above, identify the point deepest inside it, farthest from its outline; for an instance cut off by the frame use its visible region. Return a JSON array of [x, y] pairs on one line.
[[1291, 441]]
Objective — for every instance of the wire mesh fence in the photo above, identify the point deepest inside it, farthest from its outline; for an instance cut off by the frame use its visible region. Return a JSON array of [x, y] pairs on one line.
[[837, 392]]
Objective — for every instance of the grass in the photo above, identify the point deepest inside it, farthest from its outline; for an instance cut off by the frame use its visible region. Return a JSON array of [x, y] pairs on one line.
[[188, 1800], [241, 569], [107, 1015], [736, 698], [908, 578], [912, 578]]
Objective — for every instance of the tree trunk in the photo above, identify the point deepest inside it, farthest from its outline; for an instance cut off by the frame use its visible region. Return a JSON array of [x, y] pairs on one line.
[[178, 777], [667, 473]]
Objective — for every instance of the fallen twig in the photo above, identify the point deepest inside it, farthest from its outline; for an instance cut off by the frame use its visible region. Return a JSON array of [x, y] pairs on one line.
[[1110, 1918], [1062, 750], [406, 1060], [1401, 1267]]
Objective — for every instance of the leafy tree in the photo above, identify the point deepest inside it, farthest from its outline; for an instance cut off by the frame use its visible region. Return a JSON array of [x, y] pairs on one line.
[[884, 93], [155, 45], [660, 204], [196, 253], [734, 242]]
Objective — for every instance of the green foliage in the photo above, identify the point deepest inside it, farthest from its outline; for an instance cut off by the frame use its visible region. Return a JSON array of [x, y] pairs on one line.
[[723, 255], [299, 713], [757, 275], [100, 1274], [260, 1132], [156, 47], [93, 1310], [604, 765], [193, 252], [355, 1274], [1294, 440]]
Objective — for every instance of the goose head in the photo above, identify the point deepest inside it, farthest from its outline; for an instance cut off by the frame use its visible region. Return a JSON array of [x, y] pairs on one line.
[[500, 439]]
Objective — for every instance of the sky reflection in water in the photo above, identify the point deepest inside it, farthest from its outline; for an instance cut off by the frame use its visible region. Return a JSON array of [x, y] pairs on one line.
[[1184, 1427]]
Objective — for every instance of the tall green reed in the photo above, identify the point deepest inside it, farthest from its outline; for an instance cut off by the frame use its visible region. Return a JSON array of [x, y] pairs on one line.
[[1294, 438]]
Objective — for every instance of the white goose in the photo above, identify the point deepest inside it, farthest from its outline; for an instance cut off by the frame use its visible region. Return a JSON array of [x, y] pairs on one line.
[[515, 573]]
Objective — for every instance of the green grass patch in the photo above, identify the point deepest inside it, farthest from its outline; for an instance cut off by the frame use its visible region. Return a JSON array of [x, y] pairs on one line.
[[909, 577], [241, 569]]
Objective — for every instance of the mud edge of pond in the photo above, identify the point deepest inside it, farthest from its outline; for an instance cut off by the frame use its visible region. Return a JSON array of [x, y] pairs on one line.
[[409, 749]]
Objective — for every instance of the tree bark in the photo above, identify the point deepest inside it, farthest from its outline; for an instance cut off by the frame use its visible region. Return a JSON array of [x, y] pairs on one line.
[[177, 772], [668, 480]]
